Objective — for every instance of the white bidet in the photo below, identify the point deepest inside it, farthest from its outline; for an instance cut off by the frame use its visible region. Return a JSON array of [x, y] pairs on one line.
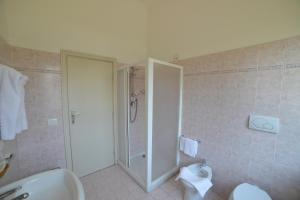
[[190, 192]]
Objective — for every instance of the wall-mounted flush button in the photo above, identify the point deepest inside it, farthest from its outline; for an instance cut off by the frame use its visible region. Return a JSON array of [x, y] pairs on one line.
[[264, 123], [52, 122]]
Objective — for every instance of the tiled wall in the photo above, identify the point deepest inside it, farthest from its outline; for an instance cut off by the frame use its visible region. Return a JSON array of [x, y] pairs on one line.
[[221, 90], [41, 147]]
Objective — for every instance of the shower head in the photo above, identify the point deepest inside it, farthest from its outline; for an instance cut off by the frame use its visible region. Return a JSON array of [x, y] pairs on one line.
[[132, 71]]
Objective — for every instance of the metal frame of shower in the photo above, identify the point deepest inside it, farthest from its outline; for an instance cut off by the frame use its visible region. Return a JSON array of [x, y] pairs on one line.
[[150, 184]]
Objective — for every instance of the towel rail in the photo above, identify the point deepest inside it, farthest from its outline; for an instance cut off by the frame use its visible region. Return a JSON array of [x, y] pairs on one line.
[[198, 140]]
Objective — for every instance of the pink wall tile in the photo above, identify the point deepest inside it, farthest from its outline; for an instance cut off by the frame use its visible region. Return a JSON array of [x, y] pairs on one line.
[[262, 79], [46, 60], [40, 147], [248, 58], [271, 54], [5, 52], [23, 58], [292, 50]]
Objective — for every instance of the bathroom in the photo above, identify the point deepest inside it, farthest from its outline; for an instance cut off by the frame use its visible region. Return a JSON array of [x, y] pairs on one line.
[[239, 58]]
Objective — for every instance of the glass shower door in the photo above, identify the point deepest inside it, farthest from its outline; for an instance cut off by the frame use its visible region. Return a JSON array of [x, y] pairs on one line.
[[166, 92], [164, 120], [136, 121], [149, 99], [122, 102]]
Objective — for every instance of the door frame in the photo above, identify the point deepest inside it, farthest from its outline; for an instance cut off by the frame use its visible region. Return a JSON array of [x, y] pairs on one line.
[[65, 103]]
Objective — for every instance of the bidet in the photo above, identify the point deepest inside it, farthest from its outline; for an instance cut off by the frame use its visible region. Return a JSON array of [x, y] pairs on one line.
[[204, 172]]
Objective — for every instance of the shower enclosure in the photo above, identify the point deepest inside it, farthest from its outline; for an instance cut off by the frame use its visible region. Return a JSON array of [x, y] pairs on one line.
[[149, 100]]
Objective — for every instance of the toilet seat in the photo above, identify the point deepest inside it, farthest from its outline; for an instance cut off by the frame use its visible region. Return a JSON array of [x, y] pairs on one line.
[[246, 191]]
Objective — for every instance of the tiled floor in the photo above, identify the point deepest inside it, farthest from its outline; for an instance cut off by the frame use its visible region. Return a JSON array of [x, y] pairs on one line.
[[114, 184], [138, 166]]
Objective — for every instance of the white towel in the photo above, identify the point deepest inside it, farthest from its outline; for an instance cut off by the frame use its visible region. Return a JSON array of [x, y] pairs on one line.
[[190, 147], [12, 109], [202, 185], [181, 143]]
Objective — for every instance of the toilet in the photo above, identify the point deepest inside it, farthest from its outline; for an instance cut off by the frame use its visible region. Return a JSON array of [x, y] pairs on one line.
[[246, 191], [190, 193]]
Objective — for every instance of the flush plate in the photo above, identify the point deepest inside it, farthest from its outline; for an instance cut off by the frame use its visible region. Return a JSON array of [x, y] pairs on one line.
[[264, 123], [53, 122]]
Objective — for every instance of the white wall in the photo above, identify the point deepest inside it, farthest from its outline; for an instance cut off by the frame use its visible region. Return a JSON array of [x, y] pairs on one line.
[[196, 27], [134, 29], [115, 28]]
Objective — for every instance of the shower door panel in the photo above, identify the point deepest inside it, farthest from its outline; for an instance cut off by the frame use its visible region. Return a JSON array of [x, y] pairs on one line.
[[136, 127], [166, 111], [122, 103], [152, 132]]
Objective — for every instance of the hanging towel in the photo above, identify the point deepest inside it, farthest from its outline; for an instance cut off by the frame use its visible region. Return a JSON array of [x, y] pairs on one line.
[[190, 147], [202, 185], [13, 118], [181, 143]]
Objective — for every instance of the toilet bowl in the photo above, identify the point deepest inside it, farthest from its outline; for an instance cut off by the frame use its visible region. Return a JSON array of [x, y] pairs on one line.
[[190, 193], [247, 191]]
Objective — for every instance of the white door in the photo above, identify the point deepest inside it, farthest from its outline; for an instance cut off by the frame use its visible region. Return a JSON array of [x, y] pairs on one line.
[[90, 101]]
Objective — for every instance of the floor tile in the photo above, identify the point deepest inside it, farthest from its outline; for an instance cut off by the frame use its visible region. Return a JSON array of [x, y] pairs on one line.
[[114, 184]]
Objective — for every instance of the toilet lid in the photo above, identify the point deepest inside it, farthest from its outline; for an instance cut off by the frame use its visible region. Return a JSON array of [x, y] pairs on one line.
[[246, 191]]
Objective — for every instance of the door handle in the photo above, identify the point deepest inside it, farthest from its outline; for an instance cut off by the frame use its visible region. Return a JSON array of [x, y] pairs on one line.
[[73, 116]]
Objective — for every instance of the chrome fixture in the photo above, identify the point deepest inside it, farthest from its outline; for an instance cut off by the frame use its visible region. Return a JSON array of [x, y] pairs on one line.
[[74, 114], [202, 162], [7, 158], [21, 197], [133, 99], [9, 192]]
